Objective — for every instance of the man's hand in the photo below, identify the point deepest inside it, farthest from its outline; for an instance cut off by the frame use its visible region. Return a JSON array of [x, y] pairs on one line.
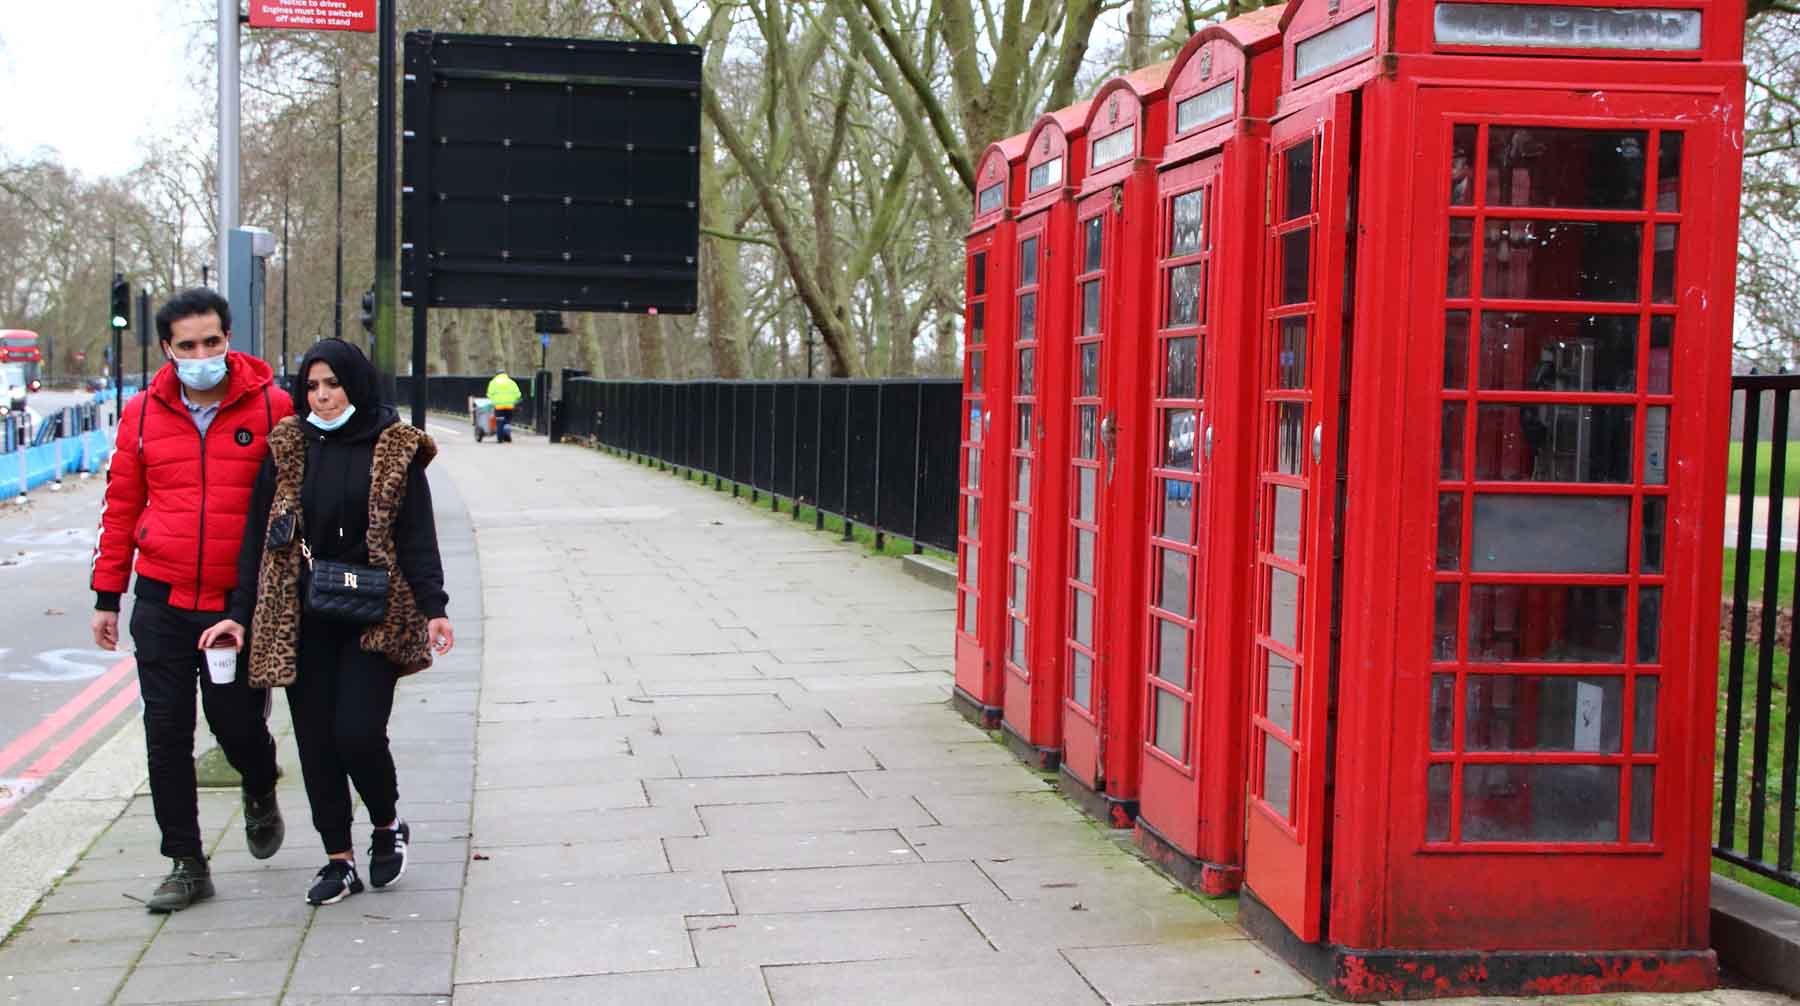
[[106, 629]]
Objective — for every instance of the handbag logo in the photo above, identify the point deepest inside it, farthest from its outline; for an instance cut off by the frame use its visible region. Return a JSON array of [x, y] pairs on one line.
[[350, 580]]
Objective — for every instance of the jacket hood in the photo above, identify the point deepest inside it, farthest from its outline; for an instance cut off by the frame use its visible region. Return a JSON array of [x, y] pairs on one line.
[[244, 375]]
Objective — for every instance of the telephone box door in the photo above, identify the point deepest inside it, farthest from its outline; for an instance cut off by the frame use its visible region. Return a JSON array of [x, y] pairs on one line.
[[1297, 485], [1022, 676], [973, 636]]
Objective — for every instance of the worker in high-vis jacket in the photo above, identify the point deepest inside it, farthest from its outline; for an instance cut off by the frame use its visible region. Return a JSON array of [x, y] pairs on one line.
[[504, 392]]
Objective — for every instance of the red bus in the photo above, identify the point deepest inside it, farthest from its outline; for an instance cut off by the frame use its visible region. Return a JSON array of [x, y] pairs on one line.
[[20, 360]]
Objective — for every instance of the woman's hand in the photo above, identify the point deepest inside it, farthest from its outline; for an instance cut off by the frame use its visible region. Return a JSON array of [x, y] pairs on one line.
[[224, 630], [440, 635]]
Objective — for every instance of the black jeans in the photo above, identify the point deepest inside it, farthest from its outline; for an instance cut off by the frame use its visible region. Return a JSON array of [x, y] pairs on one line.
[[503, 425], [168, 663], [340, 701]]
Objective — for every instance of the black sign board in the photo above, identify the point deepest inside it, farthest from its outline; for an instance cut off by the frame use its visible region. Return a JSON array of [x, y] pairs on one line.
[[550, 174]]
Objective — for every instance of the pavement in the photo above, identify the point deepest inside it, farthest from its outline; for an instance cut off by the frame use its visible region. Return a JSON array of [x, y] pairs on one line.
[[686, 752]]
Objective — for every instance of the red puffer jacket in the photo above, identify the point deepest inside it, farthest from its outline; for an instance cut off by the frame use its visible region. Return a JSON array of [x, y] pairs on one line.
[[177, 499]]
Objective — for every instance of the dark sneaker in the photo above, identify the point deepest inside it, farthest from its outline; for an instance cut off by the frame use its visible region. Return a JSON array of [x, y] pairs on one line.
[[188, 881], [387, 854], [263, 827], [334, 883]]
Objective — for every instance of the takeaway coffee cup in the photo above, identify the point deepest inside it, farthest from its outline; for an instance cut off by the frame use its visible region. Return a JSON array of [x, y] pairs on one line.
[[221, 664]]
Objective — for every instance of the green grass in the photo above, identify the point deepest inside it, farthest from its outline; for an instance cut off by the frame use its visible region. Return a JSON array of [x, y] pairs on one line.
[[1735, 467], [1746, 735], [1784, 588]]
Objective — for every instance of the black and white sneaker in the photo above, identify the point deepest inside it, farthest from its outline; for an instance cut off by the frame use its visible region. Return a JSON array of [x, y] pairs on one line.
[[335, 882], [387, 854]]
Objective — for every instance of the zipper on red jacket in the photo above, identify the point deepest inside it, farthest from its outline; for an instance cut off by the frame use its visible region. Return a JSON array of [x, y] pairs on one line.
[[200, 553]]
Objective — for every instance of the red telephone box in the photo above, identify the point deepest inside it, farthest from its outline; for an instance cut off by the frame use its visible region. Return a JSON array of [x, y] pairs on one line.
[[987, 376], [1043, 277], [1109, 418], [1208, 249], [1493, 360]]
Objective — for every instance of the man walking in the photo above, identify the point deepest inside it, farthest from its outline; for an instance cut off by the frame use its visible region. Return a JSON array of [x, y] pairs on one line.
[[503, 391], [188, 452]]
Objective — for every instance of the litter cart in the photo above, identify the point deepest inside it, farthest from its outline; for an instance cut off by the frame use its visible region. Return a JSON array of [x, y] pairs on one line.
[[481, 413]]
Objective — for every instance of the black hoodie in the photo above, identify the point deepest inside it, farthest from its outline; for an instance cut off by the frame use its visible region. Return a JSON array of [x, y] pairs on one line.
[[334, 499]]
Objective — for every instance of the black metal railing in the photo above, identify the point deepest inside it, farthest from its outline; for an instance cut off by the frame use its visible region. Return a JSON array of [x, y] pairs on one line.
[[1756, 819], [451, 393], [882, 454]]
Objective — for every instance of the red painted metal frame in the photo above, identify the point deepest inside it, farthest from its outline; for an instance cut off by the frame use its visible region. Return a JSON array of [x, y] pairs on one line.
[[1032, 692], [1191, 814], [981, 585]]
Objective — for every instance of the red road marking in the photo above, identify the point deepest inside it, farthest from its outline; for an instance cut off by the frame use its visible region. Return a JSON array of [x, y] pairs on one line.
[[102, 717], [48, 727]]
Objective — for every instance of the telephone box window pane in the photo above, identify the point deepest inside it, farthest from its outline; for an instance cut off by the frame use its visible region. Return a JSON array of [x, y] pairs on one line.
[[1450, 459], [1028, 371], [1456, 350], [1017, 595], [1178, 439], [1656, 445], [1045, 175], [1554, 443], [1656, 511], [1171, 724], [1016, 650], [1177, 510], [1084, 556], [974, 422], [1649, 641], [1297, 197], [1296, 266], [976, 370], [973, 527], [1187, 222], [978, 272], [1175, 585], [1280, 690], [1288, 506], [1462, 166], [1540, 803], [973, 467], [1668, 173], [1662, 272], [1443, 632], [1027, 321], [1290, 359], [1550, 623], [1182, 369], [1437, 803], [1091, 231], [1022, 485], [1290, 437], [1584, 168], [1278, 776], [977, 323], [1449, 531], [1643, 802], [1090, 309], [1532, 351], [1090, 371], [1172, 653], [1550, 534], [1084, 617], [1443, 712], [1028, 261], [1081, 678], [1024, 429], [1662, 344], [1524, 712], [1115, 146], [1021, 534], [1643, 717], [1085, 479], [1462, 254], [1088, 422], [1561, 260], [1184, 296], [1284, 608], [968, 613]]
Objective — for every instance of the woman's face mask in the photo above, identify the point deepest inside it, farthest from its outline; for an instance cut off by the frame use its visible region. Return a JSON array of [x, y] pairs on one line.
[[333, 423]]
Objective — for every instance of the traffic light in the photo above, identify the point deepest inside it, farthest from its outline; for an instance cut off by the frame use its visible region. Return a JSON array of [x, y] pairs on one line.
[[121, 302], [368, 311]]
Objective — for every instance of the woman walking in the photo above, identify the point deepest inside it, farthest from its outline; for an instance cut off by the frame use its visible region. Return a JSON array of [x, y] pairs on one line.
[[341, 505]]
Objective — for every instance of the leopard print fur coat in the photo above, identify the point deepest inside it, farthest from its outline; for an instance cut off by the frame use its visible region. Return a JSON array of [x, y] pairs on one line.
[[275, 630]]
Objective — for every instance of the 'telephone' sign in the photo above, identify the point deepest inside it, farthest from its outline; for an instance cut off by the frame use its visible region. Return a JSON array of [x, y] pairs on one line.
[[314, 15], [1659, 29]]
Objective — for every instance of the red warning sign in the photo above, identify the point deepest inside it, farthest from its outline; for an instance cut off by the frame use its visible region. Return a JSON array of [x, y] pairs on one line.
[[314, 15]]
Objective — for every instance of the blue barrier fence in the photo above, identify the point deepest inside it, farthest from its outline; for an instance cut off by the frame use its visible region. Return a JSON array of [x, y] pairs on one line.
[[25, 469]]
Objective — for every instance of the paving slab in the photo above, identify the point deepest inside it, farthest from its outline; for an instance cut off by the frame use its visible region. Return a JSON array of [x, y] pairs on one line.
[[848, 888], [92, 987], [550, 948], [1187, 973], [855, 814], [997, 980], [782, 790], [771, 852], [824, 937], [685, 987]]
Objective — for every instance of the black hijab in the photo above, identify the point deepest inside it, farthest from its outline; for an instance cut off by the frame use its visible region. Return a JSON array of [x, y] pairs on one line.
[[361, 384]]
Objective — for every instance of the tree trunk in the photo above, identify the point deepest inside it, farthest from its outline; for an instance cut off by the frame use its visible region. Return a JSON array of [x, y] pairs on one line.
[[653, 362]]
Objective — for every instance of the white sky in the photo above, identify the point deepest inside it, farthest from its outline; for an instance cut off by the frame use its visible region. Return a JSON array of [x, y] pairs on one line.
[[94, 79]]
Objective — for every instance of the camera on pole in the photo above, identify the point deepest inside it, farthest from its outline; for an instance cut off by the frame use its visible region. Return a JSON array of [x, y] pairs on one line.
[[121, 303]]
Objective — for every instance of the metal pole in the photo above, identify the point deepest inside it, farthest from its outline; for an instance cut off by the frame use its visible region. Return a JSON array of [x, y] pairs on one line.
[[143, 320], [228, 134], [337, 317], [284, 279], [387, 327]]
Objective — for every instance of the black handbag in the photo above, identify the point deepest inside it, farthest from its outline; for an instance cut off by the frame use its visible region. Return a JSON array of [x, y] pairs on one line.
[[344, 592]]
